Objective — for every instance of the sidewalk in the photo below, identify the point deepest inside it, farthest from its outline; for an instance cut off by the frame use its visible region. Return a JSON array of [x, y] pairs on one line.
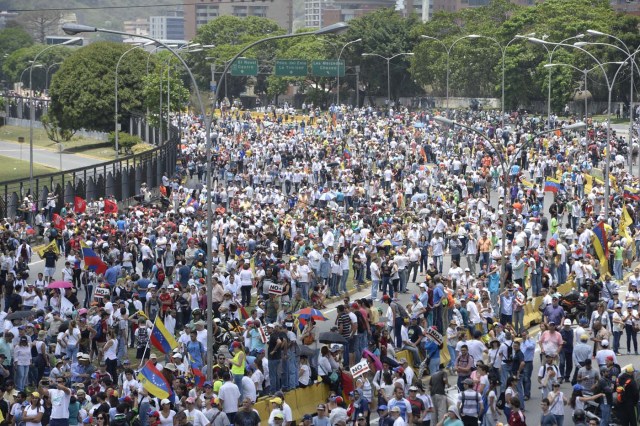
[[47, 157]]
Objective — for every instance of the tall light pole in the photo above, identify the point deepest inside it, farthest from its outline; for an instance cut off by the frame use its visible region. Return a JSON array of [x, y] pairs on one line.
[[448, 49], [506, 165], [585, 73], [503, 53], [46, 78], [610, 83], [388, 59], [550, 53], [115, 115], [27, 69], [338, 69], [632, 65], [32, 115]]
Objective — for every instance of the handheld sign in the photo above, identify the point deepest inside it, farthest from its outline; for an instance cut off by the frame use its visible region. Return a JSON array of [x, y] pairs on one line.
[[276, 289], [264, 334], [433, 335], [101, 292], [360, 368]]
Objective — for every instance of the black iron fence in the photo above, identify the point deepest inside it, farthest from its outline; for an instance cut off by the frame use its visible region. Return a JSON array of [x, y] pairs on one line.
[[120, 178]]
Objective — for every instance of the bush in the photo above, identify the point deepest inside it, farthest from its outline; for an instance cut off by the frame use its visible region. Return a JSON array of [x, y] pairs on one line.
[[125, 141]]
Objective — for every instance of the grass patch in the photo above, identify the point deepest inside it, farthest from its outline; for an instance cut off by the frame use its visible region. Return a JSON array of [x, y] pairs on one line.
[[77, 145], [16, 169], [614, 120]]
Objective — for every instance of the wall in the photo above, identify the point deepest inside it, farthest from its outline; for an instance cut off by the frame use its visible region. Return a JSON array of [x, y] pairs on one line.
[[21, 122]]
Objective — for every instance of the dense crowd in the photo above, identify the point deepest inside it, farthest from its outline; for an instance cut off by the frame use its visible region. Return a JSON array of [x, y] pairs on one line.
[[308, 207]]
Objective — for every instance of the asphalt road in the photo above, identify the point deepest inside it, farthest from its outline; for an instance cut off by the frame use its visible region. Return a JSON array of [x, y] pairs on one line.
[[46, 157]]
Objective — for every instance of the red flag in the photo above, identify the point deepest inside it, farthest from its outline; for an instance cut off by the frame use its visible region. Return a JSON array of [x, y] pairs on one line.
[[79, 205], [244, 313], [110, 206], [58, 221]]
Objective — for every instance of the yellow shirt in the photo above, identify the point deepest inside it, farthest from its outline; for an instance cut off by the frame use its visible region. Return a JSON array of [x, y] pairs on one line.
[[234, 368]]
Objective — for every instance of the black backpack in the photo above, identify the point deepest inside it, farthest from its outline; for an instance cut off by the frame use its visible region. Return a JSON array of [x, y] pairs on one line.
[[509, 353], [501, 401], [362, 327]]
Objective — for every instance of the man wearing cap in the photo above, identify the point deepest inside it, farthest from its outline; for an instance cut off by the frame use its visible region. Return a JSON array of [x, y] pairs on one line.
[[321, 418], [401, 403], [604, 353], [550, 340], [470, 404], [337, 411], [396, 416], [60, 398], [195, 416], [566, 352]]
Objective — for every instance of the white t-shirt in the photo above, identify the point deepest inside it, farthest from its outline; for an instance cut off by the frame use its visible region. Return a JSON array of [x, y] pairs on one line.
[[59, 404], [197, 418], [229, 394], [167, 421], [33, 411]]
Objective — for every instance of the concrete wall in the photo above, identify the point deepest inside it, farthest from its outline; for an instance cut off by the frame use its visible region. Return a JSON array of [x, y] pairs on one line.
[[21, 122]]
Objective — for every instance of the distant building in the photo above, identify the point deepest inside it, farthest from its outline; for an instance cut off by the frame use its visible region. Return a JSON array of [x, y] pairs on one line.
[[199, 13], [6, 17], [166, 27], [313, 13], [138, 27]]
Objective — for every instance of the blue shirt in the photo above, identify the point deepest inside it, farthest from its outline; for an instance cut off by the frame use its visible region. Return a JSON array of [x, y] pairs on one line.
[[438, 294], [494, 282], [143, 284], [528, 348], [111, 275]]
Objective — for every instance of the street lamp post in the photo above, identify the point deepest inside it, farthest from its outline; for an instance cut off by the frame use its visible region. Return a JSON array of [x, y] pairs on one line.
[[448, 49], [550, 53], [46, 78], [610, 83], [32, 114], [338, 69], [25, 70], [506, 166], [115, 115], [585, 73], [389, 69]]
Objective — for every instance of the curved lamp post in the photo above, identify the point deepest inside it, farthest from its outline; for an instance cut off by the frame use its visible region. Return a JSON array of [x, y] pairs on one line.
[[585, 73], [32, 115], [115, 116], [610, 83], [506, 166], [46, 76], [338, 69], [388, 59]]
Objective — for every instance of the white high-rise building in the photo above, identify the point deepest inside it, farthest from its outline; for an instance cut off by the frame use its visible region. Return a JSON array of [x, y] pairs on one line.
[[313, 13]]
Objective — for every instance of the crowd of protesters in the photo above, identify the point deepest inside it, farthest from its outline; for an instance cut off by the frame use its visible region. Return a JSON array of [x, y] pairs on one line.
[[308, 207]]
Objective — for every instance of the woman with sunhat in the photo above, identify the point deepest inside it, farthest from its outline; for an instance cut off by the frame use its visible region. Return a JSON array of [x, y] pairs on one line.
[[33, 411]]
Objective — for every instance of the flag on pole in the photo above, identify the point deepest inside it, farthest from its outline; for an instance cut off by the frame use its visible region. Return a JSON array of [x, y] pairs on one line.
[[52, 246], [601, 246], [110, 206], [161, 339], [79, 205], [553, 185], [153, 381], [198, 375], [58, 221], [91, 260], [625, 223]]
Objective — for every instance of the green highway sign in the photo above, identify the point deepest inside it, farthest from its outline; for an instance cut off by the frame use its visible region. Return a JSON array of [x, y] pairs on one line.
[[291, 68], [327, 68], [244, 67]]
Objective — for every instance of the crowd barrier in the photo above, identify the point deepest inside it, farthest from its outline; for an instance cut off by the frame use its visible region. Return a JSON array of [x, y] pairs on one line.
[[532, 314]]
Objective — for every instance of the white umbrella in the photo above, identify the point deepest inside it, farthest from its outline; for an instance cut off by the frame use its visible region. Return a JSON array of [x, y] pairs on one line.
[[327, 196]]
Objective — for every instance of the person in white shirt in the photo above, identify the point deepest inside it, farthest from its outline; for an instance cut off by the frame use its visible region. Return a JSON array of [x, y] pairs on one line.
[[60, 398], [195, 416], [229, 395]]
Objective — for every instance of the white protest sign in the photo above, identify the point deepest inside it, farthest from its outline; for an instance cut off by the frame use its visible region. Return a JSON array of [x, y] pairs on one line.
[[100, 293], [433, 335], [276, 289], [360, 368]]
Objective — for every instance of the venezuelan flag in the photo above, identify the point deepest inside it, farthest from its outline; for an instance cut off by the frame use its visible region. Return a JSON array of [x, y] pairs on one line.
[[154, 382], [161, 339], [91, 260], [553, 185], [198, 375], [631, 193], [601, 245], [347, 153]]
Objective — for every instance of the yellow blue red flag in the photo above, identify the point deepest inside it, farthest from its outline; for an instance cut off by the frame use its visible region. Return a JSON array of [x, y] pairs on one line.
[[161, 339], [153, 381]]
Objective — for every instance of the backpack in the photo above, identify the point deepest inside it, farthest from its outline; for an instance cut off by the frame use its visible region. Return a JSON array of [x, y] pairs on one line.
[[500, 402], [620, 388], [509, 353], [362, 327], [143, 337], [402, 310], [160, 275], [99, 330], [477, 403]]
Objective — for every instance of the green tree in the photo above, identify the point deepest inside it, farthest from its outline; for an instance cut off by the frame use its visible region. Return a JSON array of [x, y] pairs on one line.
[[151, 92], [12, 39], [386, 33], [83, 91], [126, 142], [20, 60], [55, 131]]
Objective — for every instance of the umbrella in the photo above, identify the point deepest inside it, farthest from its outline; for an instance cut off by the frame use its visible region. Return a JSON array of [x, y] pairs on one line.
[[314, 314], [327, 196], [333, 164], [20, 315], [60, 284], [418, 124], [385, 243], [332, 337], [306, 351], [376, 361]]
